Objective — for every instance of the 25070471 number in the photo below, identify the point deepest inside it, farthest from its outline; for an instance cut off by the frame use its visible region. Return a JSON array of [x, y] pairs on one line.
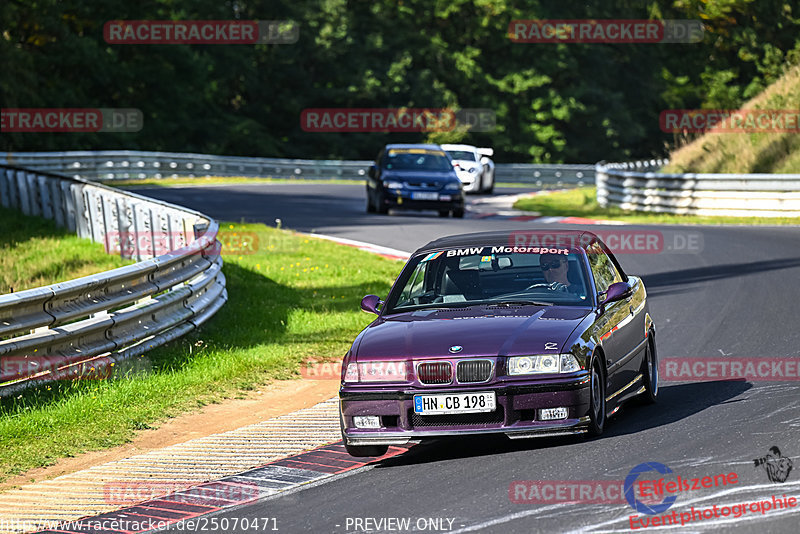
[[227, 524]]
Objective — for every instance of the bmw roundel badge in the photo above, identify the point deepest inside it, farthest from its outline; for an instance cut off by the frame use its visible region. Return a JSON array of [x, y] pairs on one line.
[[456, 348]]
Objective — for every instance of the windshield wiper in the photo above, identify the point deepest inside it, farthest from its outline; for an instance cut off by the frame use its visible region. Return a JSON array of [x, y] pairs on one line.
[[514, 302]]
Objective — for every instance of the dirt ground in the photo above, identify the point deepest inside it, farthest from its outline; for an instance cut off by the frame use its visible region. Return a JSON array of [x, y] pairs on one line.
[[278, 398]]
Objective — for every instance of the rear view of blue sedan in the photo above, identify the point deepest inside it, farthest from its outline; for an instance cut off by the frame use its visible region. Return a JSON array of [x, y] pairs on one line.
[[417, 177]]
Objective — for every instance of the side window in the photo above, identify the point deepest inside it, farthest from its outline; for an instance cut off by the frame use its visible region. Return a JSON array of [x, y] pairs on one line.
[[603, 269]]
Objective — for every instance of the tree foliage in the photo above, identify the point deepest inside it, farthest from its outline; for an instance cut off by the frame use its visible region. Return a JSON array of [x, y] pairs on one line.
[[553, 102]]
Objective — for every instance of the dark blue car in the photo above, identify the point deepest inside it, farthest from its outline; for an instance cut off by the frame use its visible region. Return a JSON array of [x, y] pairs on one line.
[[417, 177]]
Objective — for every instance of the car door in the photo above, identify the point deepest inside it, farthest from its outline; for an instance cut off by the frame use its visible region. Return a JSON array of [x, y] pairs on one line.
[[615, 326]]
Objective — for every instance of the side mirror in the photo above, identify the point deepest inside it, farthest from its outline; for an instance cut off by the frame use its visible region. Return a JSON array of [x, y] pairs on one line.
[[371, 171], [485, 160], [370, 304], [617, 291]]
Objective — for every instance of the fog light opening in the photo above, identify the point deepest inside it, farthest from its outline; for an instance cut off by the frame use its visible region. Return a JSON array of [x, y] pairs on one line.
[[367, 421]]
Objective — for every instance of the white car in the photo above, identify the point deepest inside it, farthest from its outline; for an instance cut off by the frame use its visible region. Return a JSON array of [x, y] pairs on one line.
[[473, 167]]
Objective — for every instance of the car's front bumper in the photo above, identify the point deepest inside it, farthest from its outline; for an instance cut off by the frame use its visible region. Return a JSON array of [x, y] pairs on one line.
[[445, 200], [517, 413]]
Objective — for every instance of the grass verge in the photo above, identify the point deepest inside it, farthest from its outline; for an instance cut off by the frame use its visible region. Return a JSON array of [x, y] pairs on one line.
[[748, 152], [582, 202], [35, 252], [293, 299]]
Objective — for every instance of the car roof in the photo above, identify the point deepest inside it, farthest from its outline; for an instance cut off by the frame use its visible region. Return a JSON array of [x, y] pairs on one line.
[[413, 145], [504, 237], [459, 147]]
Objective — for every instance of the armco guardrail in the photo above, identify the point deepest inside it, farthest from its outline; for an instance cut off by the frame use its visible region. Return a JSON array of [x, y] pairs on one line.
[[133, 165], [635, 186], [93, 325]]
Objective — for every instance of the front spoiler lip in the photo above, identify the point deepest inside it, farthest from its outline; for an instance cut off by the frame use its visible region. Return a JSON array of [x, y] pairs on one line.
[[403, 438], [391, 392]]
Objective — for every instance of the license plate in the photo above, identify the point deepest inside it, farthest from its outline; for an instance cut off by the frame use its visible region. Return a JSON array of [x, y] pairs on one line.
[[424, 196], [455, 403]]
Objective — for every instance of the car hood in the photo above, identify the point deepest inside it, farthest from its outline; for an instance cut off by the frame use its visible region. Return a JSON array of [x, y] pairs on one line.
[[441, 177], [481, 331]]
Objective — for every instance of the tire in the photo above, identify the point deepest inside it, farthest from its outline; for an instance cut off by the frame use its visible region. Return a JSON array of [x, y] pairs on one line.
[[650, 375], [362, 451], [459, 213], [380, 205], [370, 205], [597, 400], [444, 213], [490, 188]]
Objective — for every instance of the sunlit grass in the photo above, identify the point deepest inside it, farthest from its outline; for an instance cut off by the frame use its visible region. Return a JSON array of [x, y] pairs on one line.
[[34, 252]]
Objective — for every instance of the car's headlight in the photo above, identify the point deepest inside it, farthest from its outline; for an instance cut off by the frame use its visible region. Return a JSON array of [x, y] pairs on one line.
[[473, 170], [542, 363], [391, 184], [376, 371], [453, 186]]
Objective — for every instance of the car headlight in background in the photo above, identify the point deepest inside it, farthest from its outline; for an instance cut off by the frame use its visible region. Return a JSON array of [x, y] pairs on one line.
[[391, 184], [452, 186], [542, 363], [472, 170], [376, 371]]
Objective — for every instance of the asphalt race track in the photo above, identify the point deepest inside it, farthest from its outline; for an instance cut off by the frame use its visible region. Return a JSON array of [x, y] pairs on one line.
[[735, 295]]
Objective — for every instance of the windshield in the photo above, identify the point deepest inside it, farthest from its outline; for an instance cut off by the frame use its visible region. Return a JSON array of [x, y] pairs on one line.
[[416, 159], [491, 276], [464, 155]]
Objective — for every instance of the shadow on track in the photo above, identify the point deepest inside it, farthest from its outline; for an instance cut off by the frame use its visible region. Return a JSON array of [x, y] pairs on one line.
[[697, 275], [675, 402]]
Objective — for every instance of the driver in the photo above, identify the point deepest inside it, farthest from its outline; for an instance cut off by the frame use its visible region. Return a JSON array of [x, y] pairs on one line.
[[555, 267]]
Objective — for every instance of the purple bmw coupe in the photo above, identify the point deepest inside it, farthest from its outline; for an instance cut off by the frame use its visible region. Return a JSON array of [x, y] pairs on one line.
[[524, 333]]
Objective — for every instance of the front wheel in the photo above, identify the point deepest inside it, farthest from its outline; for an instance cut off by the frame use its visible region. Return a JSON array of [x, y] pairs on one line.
[[361, 451], [380, 204], [597, 400], [458, 213], [370, 205], [649, 375]]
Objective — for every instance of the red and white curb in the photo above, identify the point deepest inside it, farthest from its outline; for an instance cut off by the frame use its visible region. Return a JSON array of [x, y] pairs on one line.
[[386, 252], [186, 508], [502, 207]]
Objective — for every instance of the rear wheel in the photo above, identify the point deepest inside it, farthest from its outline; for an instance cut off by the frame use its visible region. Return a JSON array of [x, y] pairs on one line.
[[649, 375], [597, 400], [458, 213], [361, 451], [444, 213]]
